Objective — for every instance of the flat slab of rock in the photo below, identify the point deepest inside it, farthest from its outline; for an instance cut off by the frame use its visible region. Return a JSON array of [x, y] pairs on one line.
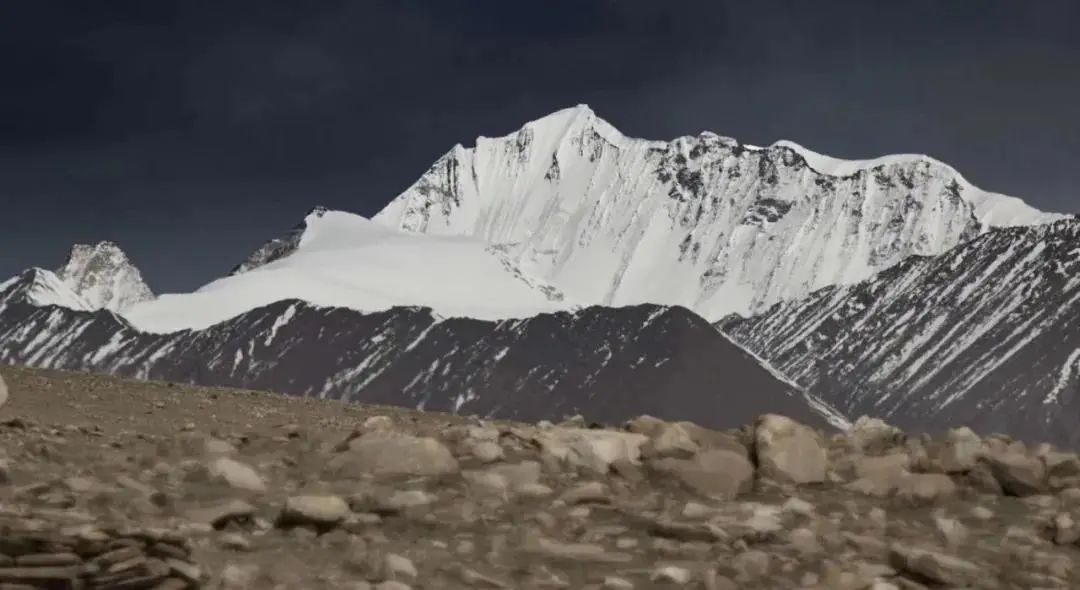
[[317, 511], [935, 567], [574, 552]]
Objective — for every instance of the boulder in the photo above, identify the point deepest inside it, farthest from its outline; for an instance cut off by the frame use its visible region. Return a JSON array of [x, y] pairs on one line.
[[594, 450], [961, 451], [379, 454], [1062, 469], [713, 439], [238, 475], [672, 440], [926, 488], [890, 466], [872, 436], [717, 474], [1018, 474], [317, 511], [3, 392], [789, 452]]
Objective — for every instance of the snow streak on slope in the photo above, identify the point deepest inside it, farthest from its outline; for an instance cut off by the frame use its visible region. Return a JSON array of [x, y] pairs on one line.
[[343, 260], [985, 335], [703, 222], [609, 364], [104, 277]]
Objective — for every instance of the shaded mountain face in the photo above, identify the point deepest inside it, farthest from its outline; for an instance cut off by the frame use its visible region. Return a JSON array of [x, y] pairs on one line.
[[703, 222], [607, 364], [103, 276], [986, 335]]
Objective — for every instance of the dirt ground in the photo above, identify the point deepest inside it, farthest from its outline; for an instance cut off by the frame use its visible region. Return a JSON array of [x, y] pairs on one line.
[[272, 492]]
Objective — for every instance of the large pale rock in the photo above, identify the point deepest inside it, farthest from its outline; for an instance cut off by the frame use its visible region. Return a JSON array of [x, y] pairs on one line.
[[1062, 469], [317, 511], [925, 488], [713, 439], [673, 440], [873, 436], [890, 466], [1018, 474], [595, 450], [3, 392], [789, 452], [238, 475], [717, 474], [393, 455], [961, 450]]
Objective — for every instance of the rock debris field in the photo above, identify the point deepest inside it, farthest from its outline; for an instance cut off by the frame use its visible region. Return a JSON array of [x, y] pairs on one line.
[[112, 484]]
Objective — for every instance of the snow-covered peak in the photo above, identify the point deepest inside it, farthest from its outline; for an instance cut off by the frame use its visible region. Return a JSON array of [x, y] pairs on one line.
[[40, 287], [700, 221], [104, 277]]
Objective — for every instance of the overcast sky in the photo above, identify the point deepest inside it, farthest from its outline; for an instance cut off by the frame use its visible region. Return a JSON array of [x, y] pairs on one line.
[[190, 131]]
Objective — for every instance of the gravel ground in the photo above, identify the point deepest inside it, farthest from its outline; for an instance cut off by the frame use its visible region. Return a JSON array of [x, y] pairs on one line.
[[217, 488]]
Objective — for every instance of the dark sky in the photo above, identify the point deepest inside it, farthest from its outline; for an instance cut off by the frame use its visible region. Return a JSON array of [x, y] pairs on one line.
[[190, 131]]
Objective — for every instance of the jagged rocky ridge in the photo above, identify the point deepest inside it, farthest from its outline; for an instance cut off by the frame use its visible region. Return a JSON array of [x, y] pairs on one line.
[[987, 335], [704, 222], [277, 248], [609, 363], [103, 276]]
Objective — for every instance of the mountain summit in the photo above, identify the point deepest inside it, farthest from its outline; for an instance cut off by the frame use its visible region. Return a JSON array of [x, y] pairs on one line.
[[103, 276], [704, 222]]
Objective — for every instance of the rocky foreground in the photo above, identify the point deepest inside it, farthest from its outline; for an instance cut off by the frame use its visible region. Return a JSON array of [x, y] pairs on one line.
[[112, 484]]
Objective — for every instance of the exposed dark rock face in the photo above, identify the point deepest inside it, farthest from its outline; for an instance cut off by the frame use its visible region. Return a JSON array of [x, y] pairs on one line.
[[608, 363], [987, 335]]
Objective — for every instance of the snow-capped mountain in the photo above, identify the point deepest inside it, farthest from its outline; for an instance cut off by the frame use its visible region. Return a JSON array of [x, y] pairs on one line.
[[103, 276], [338, 259], [563, 268], [987, 334], [608, 364], [704, 222], [41, 287]]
